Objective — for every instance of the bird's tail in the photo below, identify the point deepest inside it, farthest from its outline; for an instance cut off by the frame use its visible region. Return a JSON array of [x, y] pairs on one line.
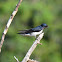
[[22, 31]]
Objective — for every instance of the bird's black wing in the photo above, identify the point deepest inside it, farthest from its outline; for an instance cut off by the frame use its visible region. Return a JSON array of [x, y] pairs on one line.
[[23, 31], [36, 29]]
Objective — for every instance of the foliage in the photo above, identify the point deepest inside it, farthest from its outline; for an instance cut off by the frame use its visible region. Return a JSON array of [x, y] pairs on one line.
[[32, 13]]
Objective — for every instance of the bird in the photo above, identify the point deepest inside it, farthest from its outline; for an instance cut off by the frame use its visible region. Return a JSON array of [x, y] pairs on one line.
[[33, 31]]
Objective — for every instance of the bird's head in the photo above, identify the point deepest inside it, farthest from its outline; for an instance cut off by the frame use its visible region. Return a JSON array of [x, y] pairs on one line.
[[44, 25]]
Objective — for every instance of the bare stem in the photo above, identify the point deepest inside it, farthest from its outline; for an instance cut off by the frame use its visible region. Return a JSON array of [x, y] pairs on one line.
[[32, 60], [37, 41], [8, 23], [16, 59]]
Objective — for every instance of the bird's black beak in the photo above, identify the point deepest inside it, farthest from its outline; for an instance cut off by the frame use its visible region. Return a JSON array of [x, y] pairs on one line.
[[46, 26]]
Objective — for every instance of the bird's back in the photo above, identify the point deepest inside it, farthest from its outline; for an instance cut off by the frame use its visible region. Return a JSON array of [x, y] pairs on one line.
[[37, 29]]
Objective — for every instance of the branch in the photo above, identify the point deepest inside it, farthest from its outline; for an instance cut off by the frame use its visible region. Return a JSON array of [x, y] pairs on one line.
[[8, 23], [16, 59], [37, 41], [32, 60]]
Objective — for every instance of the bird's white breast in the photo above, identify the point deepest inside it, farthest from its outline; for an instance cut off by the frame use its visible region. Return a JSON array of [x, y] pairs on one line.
[[36, 33]]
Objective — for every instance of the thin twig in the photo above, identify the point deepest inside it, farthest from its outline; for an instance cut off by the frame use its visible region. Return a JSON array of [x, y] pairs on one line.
[[37, 41], [8, 23], [16, 59], [32, 60]]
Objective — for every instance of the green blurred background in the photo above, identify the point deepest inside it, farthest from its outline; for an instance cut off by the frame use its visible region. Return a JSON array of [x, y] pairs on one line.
[[32, 13]]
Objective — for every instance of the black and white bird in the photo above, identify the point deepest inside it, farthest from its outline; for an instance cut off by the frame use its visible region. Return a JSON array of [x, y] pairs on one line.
[[33, 31]]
